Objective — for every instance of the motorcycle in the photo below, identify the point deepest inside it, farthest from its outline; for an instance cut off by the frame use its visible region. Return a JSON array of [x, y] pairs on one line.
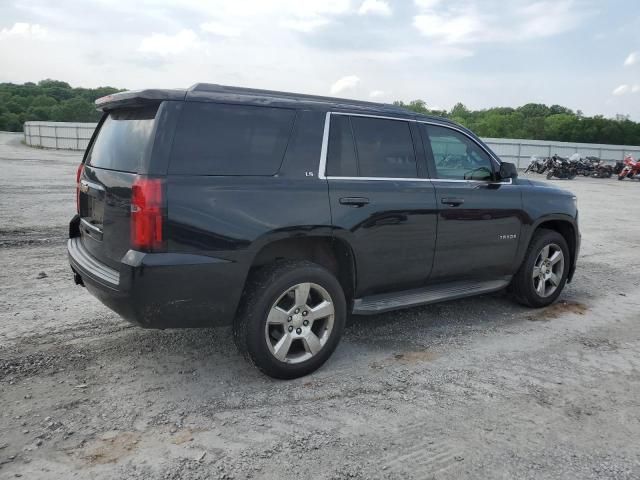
[[631, 168], [599, 168], [582, 166], [534, 166], [561, 168]]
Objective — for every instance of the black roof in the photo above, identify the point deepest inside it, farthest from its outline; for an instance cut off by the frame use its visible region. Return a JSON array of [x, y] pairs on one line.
[[204, 92]]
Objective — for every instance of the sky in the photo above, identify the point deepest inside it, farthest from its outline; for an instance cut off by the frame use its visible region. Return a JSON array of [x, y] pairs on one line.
[[582, 54]]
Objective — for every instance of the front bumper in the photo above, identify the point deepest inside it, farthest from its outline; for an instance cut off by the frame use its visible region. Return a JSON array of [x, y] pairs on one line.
[[162, 290]]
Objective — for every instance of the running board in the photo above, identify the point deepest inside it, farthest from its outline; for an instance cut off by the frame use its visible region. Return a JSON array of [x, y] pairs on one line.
[[425, 295]]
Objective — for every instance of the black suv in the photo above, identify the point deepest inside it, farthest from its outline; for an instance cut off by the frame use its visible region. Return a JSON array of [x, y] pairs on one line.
[[281, 214]]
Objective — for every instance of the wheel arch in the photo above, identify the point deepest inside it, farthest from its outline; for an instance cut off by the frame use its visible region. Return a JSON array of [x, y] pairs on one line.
[[334, 254], [566, 226]]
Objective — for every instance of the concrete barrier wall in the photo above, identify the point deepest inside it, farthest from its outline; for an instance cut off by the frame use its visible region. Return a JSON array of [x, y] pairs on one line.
[[60, 135], [76, 136], [520, 151]]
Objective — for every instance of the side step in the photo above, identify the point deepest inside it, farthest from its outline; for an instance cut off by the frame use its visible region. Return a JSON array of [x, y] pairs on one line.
[[422, 296]]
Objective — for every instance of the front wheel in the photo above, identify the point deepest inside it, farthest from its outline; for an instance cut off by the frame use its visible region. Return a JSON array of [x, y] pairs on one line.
[[544, 271], [291, 319]]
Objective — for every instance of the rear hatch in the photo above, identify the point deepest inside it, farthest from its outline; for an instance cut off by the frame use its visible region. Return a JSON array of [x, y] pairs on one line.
[[117, 155]]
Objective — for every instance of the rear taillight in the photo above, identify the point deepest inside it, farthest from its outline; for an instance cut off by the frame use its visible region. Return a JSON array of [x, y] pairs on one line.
[[78, 175], [147, 214]]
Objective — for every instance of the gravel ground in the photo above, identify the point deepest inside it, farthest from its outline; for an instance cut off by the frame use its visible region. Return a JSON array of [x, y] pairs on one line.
[[477, 388]]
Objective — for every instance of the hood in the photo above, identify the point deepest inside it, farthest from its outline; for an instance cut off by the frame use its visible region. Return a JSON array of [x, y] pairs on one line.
[[554, 188]]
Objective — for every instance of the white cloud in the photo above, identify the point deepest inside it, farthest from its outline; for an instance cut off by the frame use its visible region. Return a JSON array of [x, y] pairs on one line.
[[450, 30], [375, 7], [464, 22], [376, 93], [621, 90], [426, 4], [310, 15], [632, 59], [305, 25], [21, 29], [161, 44], [345, 83], [548, 18], [635, 88], [223, 29]]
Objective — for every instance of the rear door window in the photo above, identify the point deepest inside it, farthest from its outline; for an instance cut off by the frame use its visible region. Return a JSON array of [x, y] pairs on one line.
[[341, 153], [384, 147], [370, 147], [220, 139], [123, 140]]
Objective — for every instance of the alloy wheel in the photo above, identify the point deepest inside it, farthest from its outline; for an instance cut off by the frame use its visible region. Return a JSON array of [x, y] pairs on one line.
[[299, 323], [548, 270]]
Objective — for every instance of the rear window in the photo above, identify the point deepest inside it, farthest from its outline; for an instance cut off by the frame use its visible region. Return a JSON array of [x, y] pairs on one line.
[[218, 139], [123, 140]]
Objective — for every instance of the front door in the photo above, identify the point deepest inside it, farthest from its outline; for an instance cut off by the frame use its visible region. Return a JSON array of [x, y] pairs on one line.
[[382, 204], [479, 218]]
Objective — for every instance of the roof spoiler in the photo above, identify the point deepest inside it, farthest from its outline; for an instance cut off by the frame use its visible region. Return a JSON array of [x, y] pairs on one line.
[[137, 98]]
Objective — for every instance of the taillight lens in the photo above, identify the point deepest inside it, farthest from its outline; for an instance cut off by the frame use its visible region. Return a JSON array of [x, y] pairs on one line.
[[147, 214], [78, 176]]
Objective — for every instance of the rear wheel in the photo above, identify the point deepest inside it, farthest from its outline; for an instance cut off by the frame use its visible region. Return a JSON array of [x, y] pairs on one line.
[[291, 320], [544, 272]]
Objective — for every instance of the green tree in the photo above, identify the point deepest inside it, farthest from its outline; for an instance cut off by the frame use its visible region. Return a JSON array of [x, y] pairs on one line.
[[47, 100]]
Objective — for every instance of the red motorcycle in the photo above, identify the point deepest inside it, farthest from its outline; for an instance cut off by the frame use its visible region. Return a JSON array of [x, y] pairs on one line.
[[631, 168]]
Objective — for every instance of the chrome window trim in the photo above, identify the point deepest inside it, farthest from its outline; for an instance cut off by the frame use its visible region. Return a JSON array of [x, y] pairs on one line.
[[372, 116], [325, 146], [391, 179]]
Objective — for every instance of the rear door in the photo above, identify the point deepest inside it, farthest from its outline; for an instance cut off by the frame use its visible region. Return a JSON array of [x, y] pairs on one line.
[[119, 151], [479, 218], [381, 201]]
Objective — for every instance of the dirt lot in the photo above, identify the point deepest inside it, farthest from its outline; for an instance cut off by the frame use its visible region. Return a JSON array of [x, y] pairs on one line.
[[479, 388]]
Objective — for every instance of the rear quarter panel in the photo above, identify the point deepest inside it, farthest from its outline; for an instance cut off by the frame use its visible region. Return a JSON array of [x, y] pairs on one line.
[[233, 217]]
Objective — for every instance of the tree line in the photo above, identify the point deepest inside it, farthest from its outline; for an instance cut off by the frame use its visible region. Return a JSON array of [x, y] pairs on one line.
[[48, 100], [54, 100], [535, 121]]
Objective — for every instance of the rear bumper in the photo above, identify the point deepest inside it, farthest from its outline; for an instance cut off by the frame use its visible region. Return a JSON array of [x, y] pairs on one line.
[[162, 290]]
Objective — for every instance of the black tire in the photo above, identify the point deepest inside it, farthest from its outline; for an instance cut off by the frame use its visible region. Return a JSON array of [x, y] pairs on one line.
[[263, 289], [572, 175], [621, 177], [522, 285], [549, 174]]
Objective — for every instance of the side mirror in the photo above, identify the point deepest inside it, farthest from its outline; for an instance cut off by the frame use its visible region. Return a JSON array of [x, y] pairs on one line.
[[508, 170]]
